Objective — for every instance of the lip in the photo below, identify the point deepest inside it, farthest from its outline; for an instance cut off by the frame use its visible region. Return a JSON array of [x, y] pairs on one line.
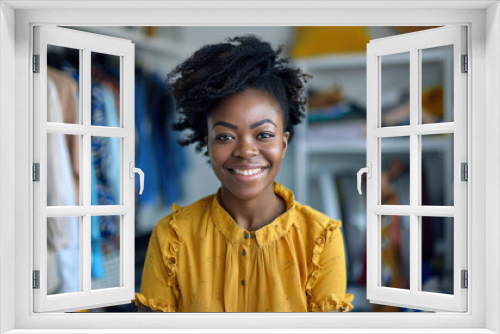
[[247, 178]]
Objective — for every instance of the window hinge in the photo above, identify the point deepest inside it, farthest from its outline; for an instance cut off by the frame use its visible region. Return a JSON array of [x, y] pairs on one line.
[[465, 63], [465, 279], [465, 171], [36, 172], [36, 63], [36, 279]]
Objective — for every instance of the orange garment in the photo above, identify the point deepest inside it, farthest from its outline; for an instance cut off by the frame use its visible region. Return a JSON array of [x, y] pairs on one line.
[[67, 90], [200, 260]]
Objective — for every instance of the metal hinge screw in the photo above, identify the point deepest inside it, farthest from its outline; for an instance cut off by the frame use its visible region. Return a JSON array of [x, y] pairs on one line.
[[36, 63], [36, 279], [465, 64], [36, 172], [465, 279], [465, 171]]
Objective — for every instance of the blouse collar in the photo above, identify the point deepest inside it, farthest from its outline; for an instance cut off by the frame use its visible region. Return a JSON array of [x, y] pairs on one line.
[[264, 235]]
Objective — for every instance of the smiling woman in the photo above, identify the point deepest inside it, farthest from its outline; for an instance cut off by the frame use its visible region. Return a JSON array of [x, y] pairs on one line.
[[250, 247]]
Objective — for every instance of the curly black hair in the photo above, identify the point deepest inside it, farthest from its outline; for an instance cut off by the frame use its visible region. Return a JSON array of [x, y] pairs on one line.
[[216, 71]]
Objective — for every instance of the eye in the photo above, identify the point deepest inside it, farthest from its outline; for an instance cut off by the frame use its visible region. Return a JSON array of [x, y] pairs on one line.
[[223, 137], [265, 135]]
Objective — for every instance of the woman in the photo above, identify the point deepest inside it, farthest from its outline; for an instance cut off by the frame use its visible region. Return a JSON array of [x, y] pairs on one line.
[[250, 247]]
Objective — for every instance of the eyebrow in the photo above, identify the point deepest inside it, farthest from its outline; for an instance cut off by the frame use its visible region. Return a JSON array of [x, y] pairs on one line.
[[234, 127]]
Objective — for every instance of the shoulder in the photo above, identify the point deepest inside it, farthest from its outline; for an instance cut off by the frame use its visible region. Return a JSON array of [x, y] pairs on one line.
[[314, 220], [184, 218]]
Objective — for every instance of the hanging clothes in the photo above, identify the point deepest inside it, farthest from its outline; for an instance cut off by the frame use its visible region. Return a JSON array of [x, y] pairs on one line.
[[103, 154], [67, 90], [169, 154], [113, 164], [145, 156], [62, 232]]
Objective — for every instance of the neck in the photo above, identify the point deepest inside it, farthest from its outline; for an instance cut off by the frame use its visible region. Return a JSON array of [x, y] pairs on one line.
[[255, 213]]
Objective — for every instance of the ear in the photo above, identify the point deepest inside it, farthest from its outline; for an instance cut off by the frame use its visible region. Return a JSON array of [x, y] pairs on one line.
[[286, 135]]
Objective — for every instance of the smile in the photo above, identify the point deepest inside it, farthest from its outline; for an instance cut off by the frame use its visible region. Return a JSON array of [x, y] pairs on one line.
[[247, 171], [246, 175]]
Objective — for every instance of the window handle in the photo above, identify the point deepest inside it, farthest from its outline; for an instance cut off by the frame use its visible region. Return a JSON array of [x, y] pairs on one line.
[[138, 171], [368, 171]]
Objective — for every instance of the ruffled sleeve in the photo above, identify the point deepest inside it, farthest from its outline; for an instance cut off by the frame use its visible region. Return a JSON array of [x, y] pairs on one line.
[[159, 287], [326, 286]]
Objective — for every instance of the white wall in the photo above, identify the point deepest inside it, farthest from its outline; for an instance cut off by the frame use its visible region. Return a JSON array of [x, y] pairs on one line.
[[492, 162], [7, 160]]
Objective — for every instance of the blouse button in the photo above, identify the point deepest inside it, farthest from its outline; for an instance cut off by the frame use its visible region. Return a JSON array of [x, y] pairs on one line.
[[246, 236], [243, 253], [243, 282]]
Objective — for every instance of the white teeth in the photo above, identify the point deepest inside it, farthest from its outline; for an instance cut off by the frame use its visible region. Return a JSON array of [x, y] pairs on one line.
[[247, 172]]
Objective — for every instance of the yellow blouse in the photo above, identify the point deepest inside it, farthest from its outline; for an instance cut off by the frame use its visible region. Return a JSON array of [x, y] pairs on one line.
[[200, 260]]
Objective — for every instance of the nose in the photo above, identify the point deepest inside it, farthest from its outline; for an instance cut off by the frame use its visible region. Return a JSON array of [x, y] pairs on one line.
[[245, 148]]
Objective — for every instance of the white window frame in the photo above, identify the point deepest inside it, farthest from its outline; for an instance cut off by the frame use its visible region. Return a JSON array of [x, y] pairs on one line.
[[414, 44], [124, 207], [483, 21]]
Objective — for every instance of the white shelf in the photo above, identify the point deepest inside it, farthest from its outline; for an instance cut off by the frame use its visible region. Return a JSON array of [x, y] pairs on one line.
[[162, 45], [358, 60], [332, 146]]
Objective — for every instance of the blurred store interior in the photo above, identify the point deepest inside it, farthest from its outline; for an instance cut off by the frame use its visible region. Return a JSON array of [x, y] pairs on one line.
[[321, 163]]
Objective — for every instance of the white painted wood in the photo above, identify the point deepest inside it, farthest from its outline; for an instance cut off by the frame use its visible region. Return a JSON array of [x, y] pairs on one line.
[[483, 101], [413, 43], [95, 210], [418, 129], [415, 165], [94, 130], [86, 43]]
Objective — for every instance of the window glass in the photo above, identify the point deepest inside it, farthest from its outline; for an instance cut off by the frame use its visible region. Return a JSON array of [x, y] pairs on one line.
[[395, 171], [395, 89], [63, 255], [437, 87], [395, 251], [106, 96], [106, 265]]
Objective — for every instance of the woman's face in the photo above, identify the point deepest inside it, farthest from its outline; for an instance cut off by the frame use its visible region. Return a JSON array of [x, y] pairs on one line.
[[246, 143]]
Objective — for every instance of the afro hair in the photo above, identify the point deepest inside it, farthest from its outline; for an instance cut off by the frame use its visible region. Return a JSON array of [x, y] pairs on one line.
[[217, 71]]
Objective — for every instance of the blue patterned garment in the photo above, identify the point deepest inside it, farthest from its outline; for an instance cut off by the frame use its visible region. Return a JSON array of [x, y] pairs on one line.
[[101, 157]]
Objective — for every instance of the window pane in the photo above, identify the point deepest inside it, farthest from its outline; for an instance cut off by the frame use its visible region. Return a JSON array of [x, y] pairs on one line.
[[105, 110], [395, 171], [437, 254], [395, 89], [395, 251], [437, 85], [63, 255], [437, 170], [105, 234], [105, 171], [63, 75], [63, 169]]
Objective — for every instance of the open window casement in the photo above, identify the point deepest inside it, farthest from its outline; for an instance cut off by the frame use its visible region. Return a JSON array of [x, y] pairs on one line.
[[415, 138], [71, 271]]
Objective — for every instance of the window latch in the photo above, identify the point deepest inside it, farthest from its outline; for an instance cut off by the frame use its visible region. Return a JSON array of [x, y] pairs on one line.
[[133, 170], [368, 171]]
